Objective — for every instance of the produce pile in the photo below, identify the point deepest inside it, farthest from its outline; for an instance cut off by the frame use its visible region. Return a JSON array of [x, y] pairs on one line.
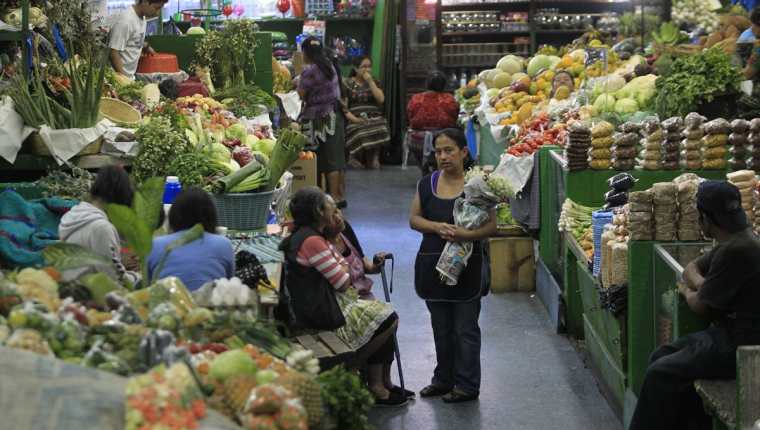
[[238, 364], [537, 133], [579, 141], [601, 144], [576, 220]]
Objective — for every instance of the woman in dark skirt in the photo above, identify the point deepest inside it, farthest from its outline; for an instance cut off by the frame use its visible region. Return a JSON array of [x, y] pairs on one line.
[[321, 118], [367, 130], [454, 310]]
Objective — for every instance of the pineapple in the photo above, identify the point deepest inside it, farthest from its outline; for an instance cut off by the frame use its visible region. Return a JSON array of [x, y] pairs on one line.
[[237, 390], [308, 390]]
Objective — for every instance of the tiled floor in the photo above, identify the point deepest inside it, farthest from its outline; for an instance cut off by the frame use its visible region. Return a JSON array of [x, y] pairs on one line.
[[532, 378]]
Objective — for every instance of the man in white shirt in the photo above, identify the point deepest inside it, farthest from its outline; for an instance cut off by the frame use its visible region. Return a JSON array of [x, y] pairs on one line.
[[127, 37]]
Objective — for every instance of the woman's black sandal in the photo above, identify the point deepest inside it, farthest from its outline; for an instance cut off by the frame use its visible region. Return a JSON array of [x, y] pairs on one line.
[[433, 390], [400, 391], [459, 396], [394, 400]]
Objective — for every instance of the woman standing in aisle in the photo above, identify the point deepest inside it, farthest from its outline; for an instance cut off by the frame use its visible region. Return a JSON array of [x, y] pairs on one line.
[[367, 131], [319, 87], [454, 310]]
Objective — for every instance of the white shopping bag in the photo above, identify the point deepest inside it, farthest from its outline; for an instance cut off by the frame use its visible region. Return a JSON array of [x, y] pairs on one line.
[[516, 170]]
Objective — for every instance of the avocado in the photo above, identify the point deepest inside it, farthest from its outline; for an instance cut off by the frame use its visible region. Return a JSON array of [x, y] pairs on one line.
[[470, 92]]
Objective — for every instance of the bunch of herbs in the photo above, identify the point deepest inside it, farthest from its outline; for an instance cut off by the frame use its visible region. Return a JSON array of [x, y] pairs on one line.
[[160, 144], [694, 80], [230, 52]]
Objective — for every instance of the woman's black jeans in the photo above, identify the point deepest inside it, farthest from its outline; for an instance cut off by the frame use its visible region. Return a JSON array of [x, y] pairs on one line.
[[457, 344]]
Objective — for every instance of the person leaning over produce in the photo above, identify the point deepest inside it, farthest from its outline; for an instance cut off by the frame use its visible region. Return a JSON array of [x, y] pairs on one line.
[[127, 35], [87, 224], [721, 285], [319, 282], [454, 310], [751, 35], [318, 86], [203, 260], [367, 130]]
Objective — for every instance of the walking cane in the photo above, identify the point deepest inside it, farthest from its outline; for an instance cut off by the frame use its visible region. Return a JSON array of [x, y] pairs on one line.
[[388, 292]]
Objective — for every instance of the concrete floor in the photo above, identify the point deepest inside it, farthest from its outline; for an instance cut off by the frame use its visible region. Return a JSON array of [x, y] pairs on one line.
[[532, 378]]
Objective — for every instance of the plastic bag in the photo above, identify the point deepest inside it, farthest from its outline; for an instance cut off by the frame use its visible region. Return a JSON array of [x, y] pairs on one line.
[[158, 346], [602, 129], [630, 127], [675, 123], [694, 121], [292, 416], [754, 125], [622, 182], [717, 126], [738, 139], [29, 340], [266, 399], [616, 198], [740, 126], [626, 139]]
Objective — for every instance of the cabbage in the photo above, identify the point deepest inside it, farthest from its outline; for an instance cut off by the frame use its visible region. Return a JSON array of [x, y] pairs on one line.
[[236, 131], [265, 146], [232, 363], [538, 64], [605, 103], [195, 31], [220, 152], [250, 141], [510, 64], [626, 106], [637, 85], [608, 84], [492, 92], [554, 60], [578, 56]]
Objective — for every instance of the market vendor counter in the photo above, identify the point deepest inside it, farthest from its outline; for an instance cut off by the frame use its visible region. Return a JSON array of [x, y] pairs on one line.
[[586, 187], [619, 343]]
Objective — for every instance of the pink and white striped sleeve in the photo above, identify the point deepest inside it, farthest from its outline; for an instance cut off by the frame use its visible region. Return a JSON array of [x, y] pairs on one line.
[[316, 252]]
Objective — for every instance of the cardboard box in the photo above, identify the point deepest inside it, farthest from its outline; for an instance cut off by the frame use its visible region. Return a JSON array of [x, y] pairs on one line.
[[304, 173], [513, 266]]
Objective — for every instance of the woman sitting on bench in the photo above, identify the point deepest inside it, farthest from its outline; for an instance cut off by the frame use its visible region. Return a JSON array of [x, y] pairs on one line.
[[318, 280]]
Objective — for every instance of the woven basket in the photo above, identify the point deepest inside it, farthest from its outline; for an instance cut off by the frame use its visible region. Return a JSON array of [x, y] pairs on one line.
[[119, 112], [37, 146], [244, 211]]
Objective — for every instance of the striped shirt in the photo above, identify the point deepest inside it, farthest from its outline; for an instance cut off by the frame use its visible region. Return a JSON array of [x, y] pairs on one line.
[[318, 253]]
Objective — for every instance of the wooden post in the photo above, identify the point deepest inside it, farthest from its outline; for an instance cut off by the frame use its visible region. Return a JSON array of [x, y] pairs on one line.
[[747, 386]]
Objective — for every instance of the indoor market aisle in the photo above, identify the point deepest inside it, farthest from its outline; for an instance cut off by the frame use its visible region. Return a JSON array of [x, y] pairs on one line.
[[532, 378]]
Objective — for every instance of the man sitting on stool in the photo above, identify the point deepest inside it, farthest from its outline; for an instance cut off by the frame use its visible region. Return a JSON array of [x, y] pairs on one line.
[[724, 285]]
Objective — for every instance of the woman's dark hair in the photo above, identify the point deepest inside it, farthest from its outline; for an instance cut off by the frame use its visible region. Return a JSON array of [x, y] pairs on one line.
[[459, 138], [333, 56], [193, 206], [754, 16], [307, 206], [436, 81], [356, 62], [313, 50], [112, 185]]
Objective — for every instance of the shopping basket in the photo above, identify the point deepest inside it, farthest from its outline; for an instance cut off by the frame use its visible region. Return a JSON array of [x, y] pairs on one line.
[[243, 211]]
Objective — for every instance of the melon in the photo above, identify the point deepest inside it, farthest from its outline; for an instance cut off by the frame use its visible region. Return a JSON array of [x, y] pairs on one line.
[[517, 76], [195, 31], [502, 80], [510, 64]]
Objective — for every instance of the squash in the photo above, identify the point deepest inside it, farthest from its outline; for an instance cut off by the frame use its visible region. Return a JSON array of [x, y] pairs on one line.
[[151, 95]]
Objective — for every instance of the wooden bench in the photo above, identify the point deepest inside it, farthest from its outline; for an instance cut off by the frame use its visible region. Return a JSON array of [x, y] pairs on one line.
[[327, 347], [735, 404]]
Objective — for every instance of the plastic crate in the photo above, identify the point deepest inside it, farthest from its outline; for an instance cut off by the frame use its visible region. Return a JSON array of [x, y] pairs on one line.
[[244, 211]]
